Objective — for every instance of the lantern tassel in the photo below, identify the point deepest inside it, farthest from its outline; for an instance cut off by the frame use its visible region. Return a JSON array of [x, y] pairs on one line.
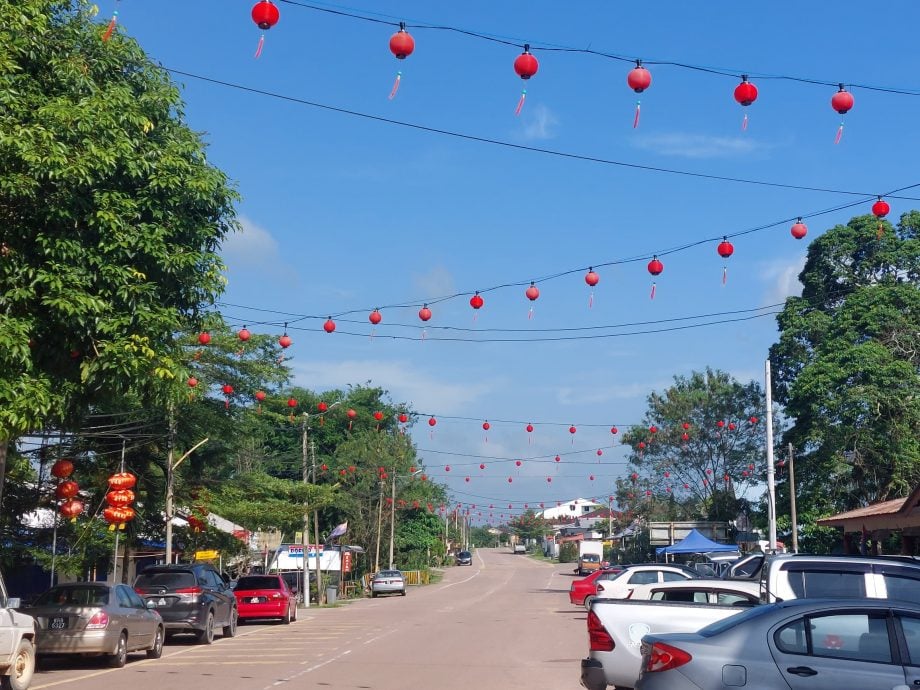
[[530, 313], [724, 275], [636, 118], [652, 296], [260, 408], [520, 105], [259, 47], [112, 527], [839, 134], [591, 300], [395, 86], [110, 29], [227, 404], [322, 421], [744, 123]]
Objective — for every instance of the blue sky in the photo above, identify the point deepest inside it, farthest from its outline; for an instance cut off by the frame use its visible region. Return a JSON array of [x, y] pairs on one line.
[[342, 213]]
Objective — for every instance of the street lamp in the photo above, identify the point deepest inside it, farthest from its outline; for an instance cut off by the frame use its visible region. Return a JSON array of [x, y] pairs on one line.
[[393, 510]]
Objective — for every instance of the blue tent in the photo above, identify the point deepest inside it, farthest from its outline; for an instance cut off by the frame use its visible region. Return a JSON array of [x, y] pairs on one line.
[[695, 542]]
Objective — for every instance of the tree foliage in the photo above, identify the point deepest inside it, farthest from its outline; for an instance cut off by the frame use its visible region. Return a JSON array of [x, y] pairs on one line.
[[706, 448], [847, 365], [111, 218]]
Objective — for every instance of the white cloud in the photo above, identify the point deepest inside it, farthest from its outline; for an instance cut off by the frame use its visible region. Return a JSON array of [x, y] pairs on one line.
[[402, 379], [437, 282], [698, 145], [540, 124], [600, 394], [782, 278], [252, 246]]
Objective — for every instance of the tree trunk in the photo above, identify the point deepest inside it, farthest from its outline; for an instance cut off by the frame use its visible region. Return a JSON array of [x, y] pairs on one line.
[[4, 445]]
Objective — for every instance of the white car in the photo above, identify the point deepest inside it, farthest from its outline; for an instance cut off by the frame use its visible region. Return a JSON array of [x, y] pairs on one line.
[[621, 584], [722, 592], [388, 582]]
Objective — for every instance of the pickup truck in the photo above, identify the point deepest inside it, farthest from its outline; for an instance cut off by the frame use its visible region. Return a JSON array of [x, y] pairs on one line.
[[17, 644], [616, 626]]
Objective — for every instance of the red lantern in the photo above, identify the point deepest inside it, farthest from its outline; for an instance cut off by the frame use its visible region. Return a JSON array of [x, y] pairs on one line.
[[634, 476], [62, 469], [529, 428], [558, 459], [378, 415], [731, 426], [638, 79], [122, 480], [667, 475], [648, 492], [66, 489], [753, 420], [204, 338], [655, 267], [745, 94], [549, 480], [192, 382], [432, 421], [265, 15], [591, 477], [880, 209], [532, 293], [120, 498], [466, 479], [476, 301], [686, 425], [401, 43], [352, 416], [112, 515], [486, 426], [592, 278], [614, 430], [685, 436], [322, 407], [686, 486], [329, 325], [720, 424], [525, 65], [510, 480], [653, 429], [518, 463], [482, 465], [71, 509], [374, 317], [725, 250], [447, 468], [842, 102], [243, 334], [599, 452], [403, 418], [260, 396], [424, 313], [228, 391], [799, 229], [572, 429]]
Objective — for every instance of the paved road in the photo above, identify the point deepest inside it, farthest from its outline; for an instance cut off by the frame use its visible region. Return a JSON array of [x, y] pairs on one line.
[[504, 623]]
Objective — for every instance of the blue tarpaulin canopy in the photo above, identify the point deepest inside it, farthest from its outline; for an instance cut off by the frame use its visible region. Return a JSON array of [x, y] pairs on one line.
[[695, 543]]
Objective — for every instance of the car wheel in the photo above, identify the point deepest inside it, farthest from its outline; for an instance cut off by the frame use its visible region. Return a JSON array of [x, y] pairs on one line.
[[588, 600], [230, 629], [402, 593], [206, 636], [120, 657], [287, 616], [23, 668], [294, 614], [156, 651]]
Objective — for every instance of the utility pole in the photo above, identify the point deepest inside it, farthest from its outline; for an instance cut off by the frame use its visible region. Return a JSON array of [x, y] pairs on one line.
[[379, 527], [793, 514], [170, 480], [319, 572], [392, 516], [771, 471], [304, 540]]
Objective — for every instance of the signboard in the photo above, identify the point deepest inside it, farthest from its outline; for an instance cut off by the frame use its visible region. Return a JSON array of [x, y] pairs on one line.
[[209, 555], [290, 557], [346, 562]]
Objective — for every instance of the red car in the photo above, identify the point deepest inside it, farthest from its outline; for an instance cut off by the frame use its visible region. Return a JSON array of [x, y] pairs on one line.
[[587, 586], [265, 596]]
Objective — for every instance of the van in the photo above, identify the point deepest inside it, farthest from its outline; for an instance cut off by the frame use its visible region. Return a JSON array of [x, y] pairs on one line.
[[798, 576]]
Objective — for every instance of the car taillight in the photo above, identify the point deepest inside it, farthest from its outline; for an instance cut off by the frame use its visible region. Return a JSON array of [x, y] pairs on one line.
[[664, 657], [189, 590], [99, 621], [598, 587], [276, 595], [598, 638]]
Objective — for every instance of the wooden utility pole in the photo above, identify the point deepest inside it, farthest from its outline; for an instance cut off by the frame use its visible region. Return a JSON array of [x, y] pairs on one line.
[[793, 515], [319, 572], [392, 517], [379, 527], [304, 535]]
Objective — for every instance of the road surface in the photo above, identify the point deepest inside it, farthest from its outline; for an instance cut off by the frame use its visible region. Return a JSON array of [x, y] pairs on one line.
[[503, 623]]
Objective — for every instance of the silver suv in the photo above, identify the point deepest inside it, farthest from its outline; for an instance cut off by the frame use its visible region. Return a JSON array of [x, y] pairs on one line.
[[799, 576], [190, 598]]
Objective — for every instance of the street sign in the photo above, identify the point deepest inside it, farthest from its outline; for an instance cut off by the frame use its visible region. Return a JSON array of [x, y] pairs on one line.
[[208, 555]]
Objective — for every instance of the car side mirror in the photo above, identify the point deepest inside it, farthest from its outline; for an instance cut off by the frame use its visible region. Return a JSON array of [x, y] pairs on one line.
[[13, 603]]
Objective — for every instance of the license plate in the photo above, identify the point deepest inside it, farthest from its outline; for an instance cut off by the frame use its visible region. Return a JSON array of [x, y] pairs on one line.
[[254, 600], [58, 624]]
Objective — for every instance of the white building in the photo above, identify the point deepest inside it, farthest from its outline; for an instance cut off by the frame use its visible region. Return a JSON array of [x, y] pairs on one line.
[[570, 509]]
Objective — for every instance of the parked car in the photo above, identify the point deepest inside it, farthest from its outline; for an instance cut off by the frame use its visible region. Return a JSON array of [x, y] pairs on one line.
[[581, 590], [388, 582], [17, 653], [818, 644], [715, 591], [519, 549], [98, 619], [464, 558], [619, 586], [745, 568], [265, 596], [191, 598]]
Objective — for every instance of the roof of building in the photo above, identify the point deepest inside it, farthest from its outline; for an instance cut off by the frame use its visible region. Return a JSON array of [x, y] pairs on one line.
[[897, 512]]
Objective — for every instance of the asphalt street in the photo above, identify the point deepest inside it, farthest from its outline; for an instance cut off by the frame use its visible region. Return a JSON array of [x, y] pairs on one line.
[[503, 623]]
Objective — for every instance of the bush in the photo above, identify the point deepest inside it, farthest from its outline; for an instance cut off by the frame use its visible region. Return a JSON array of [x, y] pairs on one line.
[[568, 552]]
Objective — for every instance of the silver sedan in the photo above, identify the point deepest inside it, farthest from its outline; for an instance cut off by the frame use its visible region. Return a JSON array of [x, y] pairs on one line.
[[818, 644], [96, 618], [388, 582]]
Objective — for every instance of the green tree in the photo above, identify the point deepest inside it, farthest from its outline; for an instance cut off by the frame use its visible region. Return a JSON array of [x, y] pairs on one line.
[[699, 446], [847, 365], [111, 219]]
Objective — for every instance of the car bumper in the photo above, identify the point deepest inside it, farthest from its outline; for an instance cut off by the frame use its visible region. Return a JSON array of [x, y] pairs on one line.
[[77, 642], [268, 609], [388, 589], [592, 675]]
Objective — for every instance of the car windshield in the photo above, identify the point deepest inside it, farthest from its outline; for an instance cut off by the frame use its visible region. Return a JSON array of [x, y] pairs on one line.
[[591, 558], [721, 626], [464, 554], [389, 573], [90, 595], [258, 582], [166, 578]]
